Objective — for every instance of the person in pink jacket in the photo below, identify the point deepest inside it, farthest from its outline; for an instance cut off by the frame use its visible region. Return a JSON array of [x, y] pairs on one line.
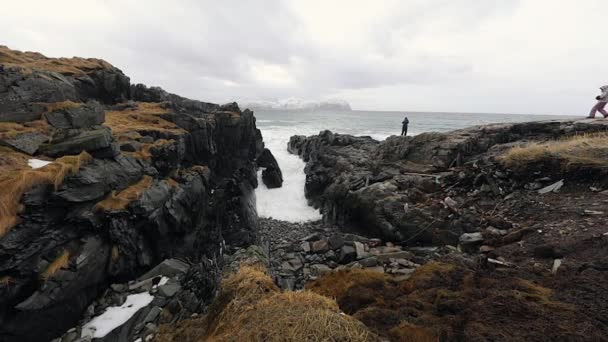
[[601, 103]]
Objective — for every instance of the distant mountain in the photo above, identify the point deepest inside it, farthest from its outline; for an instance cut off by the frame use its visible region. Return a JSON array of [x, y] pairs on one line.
[[293, 103]]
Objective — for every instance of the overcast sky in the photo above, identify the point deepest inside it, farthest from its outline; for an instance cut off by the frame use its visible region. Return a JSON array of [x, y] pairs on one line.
[[503, 56]]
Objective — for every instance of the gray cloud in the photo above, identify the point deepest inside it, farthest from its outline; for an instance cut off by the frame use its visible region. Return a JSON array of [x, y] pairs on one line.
[[492, 56]]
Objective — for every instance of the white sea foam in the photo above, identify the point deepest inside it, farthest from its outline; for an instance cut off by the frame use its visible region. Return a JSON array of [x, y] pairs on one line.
[[288, 202]]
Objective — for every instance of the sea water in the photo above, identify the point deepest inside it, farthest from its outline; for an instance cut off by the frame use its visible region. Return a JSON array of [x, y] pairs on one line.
[[288, 202]]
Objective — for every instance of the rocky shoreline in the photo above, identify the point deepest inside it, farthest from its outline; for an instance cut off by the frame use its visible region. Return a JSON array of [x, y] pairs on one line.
[[128, 214]]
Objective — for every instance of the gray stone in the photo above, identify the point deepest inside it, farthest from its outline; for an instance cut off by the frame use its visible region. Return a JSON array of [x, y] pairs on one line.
[[153, 314], [27, 143], [347, 254], [292, 265], [471, 238], [89, 141], [369, 262], [406, 263], [496, 231], [319, 269], [396, 255], [119, 287], [360, 250], [336, 242], [331, 255], [168, 268], [130, 146], [305, 246], [82, 116], [169, 290], [320, 246], [287, 283]]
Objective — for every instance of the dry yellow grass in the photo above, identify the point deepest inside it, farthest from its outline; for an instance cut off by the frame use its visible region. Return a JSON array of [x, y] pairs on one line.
[[54, 106], [336, 284], [577, 151], [12, 129], [60, 262], [29, 61], [17, 178], [145, 153], [250, 307], [146, 117], [119, 201]]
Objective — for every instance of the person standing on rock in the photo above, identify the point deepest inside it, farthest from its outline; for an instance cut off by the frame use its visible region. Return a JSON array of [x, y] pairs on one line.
[[405, 122], [601, 103]]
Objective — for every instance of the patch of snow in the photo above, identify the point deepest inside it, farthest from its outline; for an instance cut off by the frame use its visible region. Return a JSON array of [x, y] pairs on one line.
[[37, 163], [116, 316], [162, 281]]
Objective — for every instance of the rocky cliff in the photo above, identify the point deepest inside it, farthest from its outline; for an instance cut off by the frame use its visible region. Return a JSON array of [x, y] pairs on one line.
[[393, 189], [132, 175], [493, 233]]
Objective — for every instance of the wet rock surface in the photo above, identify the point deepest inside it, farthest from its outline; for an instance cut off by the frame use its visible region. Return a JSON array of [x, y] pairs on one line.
[[168, 177]]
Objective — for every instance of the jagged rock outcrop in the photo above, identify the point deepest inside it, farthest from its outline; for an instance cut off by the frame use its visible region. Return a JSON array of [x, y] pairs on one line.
[[392, 189], [271, 176], [183, 188]]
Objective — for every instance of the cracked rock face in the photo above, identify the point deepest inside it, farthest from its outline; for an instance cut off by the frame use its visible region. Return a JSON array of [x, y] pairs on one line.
[[182, 189]]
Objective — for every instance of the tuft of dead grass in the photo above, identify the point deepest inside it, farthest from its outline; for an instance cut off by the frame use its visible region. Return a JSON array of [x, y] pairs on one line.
[[60, 262], [12, 129], [337, 284], [146, 117], [55, 106], [18, 178], [250, 307], [30, 61], [145, 152], [118, 201], [587, 150]]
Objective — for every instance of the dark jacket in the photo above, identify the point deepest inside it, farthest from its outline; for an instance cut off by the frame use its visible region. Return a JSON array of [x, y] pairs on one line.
[[405, 121]]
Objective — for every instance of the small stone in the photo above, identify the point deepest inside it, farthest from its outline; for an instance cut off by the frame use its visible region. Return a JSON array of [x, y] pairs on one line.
[[152, 314], [319, 269], [331, 255], [347, 254], [169, 290], [496, 231], [360, 250], [336, 242], [312, 237], [305, 246], [486, 249], [119, 287], [471, 238], [369, 262], [320, 246], [406, 263]]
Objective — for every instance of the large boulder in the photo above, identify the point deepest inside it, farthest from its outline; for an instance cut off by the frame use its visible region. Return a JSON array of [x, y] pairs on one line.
[[77, 116], [83, 140], [271, 175]]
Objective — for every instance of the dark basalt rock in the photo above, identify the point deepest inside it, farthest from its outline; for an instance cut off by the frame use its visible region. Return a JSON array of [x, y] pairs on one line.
[[27, 142], [199, 204], [83, 116], [271, 176], [388, 189], [85, 140]]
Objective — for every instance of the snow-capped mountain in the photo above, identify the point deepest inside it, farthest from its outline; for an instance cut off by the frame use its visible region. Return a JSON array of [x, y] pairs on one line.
[[293, 103]]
